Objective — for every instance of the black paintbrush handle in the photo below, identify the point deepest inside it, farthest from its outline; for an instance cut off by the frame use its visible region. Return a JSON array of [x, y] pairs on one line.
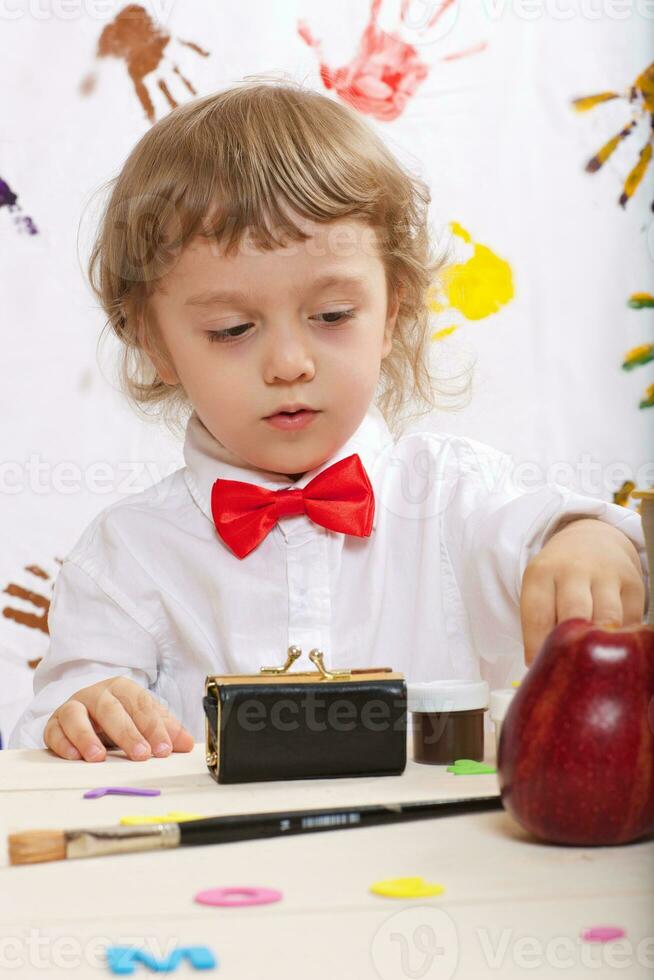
[[250, 826]]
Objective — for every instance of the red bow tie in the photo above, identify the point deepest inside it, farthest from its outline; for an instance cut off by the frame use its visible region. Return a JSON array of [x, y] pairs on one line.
[[340, 498]]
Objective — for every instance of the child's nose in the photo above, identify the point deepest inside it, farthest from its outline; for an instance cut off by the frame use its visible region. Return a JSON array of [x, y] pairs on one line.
[[289, 353]]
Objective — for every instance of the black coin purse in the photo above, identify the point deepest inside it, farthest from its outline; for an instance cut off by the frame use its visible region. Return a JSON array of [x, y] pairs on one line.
[[282, 724]]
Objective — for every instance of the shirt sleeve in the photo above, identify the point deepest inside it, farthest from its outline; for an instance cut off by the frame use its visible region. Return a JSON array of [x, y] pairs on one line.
[[92, 638], [493, 528]]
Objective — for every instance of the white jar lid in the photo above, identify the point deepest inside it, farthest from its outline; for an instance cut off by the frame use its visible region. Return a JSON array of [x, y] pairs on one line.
[[500, 700], [448, 695]]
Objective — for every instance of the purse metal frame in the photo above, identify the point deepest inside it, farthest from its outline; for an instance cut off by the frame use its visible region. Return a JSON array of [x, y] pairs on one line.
[[293, 653]]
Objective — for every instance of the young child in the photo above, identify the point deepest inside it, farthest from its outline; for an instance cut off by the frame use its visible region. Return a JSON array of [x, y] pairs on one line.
[[262, 252]]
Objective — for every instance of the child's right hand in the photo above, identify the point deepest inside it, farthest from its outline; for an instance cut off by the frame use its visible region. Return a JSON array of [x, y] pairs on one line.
[[122, 713]]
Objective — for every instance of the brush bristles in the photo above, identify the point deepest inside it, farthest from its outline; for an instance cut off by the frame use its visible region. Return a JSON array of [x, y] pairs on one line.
[[33, 846]]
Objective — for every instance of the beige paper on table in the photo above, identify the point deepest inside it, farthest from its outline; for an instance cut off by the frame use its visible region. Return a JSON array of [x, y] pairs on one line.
[[186, 785]]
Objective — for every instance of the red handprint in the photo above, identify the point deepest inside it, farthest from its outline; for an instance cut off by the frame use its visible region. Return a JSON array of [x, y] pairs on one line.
[[386, 70]]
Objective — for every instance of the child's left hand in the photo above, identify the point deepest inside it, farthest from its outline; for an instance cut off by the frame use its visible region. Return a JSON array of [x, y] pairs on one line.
[[590, 569]]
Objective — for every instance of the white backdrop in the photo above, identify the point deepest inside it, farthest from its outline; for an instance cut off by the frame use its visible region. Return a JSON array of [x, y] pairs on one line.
[[489, 124]]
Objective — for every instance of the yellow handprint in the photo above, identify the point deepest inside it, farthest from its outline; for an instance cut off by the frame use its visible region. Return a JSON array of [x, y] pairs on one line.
[[639, 95], [476, 288]]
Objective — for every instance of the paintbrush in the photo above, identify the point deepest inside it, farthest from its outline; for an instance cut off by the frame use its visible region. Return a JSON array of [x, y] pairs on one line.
[[32, 846]]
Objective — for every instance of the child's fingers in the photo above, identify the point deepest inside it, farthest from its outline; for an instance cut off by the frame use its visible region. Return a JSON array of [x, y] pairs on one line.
[[117, 723], [607, 604], [55, 739], [633, 602], [144, 711], [76, 725], [574, 596], [181, 739], [537, 609]]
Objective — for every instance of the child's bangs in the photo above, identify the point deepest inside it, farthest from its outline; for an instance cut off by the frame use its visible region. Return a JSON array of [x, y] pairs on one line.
[[253, 166]]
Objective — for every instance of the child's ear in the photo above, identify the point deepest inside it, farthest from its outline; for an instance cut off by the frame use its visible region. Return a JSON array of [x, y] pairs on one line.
[[161, 361]]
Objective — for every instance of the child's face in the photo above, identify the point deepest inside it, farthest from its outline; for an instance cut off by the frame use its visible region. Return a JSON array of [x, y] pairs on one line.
[[286, 349]]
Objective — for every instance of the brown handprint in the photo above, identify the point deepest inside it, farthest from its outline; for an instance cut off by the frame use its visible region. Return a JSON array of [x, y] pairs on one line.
[[38, 621], [386, 70], [640, 96], [133, 36]]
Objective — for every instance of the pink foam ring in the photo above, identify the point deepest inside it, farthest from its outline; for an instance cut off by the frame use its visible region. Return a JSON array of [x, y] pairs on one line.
[[603, 934], [238, 896]]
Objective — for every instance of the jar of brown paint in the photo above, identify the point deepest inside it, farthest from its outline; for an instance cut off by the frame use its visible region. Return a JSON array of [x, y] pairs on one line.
[[447, 719]]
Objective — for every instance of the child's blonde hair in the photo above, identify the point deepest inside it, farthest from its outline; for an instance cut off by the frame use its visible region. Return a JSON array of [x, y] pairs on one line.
[[219, 167]]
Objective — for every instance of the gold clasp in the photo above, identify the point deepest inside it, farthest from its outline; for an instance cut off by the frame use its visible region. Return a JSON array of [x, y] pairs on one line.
[[315, 656], [291, 656]]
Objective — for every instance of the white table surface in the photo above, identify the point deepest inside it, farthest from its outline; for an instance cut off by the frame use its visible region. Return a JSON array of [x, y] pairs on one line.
[[512, 907]]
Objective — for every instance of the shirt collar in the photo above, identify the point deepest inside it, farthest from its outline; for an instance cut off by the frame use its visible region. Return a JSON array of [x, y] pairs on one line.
[[207, 460]]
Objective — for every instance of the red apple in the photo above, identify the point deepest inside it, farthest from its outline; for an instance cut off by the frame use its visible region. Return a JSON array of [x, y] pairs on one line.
[[576, 753]]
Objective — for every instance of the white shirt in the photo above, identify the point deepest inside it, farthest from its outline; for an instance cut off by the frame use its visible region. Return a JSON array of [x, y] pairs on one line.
[[150, 591]]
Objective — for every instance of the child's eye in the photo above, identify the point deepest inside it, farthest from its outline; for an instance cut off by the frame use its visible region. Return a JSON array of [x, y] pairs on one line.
[[341, 314], [225, 336]]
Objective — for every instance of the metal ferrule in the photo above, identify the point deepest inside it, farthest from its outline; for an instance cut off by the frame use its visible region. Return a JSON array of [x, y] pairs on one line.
[[121, 839]]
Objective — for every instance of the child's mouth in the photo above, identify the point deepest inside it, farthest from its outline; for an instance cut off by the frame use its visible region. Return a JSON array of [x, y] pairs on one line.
[[292, 420]]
